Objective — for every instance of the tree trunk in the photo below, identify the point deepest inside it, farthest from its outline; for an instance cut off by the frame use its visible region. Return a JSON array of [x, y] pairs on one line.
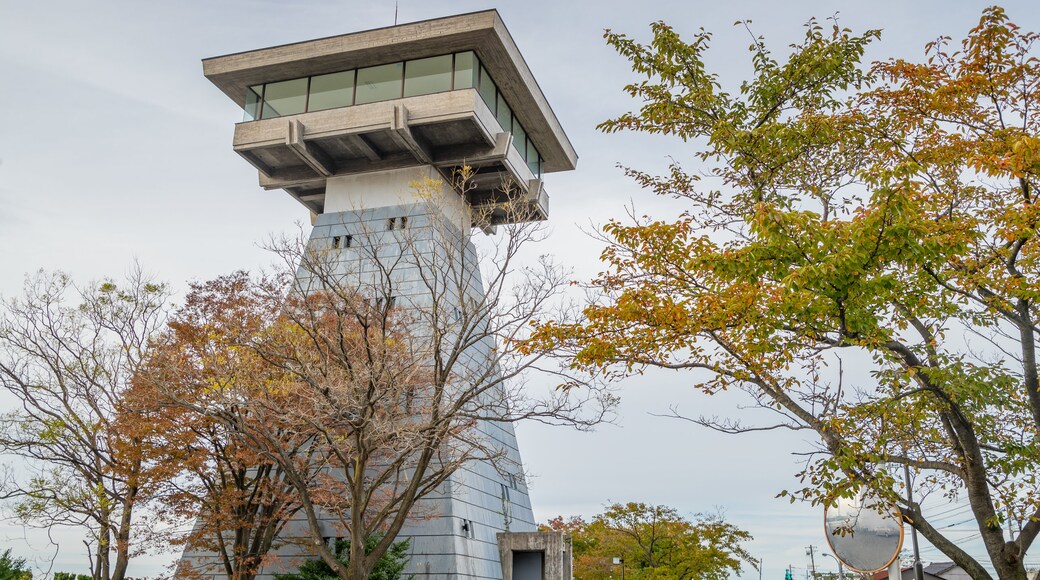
[[123, 539], [104, 542], [358, 569], [123, 536]]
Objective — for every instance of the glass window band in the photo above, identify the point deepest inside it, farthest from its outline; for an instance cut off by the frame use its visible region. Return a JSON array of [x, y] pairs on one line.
[[457, 71]]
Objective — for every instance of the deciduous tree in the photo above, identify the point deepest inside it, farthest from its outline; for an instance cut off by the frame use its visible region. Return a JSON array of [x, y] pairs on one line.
[[885, 217], [238, 499], [654, 542], [68, 356], [389, 567]]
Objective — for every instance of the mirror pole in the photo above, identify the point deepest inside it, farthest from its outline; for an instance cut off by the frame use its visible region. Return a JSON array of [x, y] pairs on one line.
[[918, 572]]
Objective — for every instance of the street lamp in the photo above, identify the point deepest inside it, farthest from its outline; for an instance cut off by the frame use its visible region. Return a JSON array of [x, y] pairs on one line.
[[622, 562], [841, 569]]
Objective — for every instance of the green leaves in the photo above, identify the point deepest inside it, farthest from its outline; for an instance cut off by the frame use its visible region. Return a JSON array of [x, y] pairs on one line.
[[12, 568], [887, 214], [654, 542]]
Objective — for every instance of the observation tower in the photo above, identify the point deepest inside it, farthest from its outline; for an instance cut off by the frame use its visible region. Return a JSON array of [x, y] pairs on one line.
[[346, 125]]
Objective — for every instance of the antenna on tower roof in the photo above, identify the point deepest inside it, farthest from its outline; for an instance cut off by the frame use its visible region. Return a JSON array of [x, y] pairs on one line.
[[395, 13]]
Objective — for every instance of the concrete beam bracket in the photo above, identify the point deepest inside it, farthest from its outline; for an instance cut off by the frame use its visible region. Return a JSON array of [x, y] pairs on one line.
[[309, 153], [402, 133]]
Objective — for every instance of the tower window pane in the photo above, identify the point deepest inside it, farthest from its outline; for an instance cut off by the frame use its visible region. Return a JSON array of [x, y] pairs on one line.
[[285, 98], [487, 89], [519, 139], [331, 91], [427, 75], [532, 156], [379, 83], [253, 96], [505, 116], [465, 70]]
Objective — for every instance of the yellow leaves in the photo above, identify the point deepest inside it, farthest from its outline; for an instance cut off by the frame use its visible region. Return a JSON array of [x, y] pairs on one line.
[[427, 189], [1025, 158], [1008, 153]]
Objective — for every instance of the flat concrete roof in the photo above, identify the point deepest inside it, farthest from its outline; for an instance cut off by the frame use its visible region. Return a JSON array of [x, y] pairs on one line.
[[482, 32]]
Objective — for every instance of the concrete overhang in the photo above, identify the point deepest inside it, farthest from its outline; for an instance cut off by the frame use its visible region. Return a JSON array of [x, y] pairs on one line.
[[448, 131], [482, 32]]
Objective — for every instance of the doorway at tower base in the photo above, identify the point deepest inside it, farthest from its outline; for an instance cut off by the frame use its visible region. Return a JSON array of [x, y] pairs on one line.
[[535, 555]]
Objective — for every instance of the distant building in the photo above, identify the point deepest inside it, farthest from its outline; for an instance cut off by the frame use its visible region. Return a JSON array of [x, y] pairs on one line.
[[934, 571], [907, 574], [947, 571]]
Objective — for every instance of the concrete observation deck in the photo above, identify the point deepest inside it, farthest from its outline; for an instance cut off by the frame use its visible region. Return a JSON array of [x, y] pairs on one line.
[[444, 93]]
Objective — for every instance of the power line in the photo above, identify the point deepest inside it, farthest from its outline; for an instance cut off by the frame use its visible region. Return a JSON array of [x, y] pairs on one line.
[[958, 524], [944, 513]]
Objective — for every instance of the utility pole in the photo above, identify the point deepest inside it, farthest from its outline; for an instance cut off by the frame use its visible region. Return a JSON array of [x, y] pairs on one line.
[[812, 560], [918, 571]]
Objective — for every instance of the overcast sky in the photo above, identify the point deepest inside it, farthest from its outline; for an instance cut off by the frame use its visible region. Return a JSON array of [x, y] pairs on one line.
[[113, 147]]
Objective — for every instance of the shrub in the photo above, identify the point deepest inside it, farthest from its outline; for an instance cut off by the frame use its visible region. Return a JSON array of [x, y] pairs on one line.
[[389, 567]]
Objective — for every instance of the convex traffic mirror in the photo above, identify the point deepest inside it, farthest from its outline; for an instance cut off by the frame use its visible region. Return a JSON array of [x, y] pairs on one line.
[[864, 532]]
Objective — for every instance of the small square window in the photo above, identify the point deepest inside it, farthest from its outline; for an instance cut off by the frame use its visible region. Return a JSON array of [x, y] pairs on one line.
[[348, 241], [404, 222], [391, 223], [336, 241]]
